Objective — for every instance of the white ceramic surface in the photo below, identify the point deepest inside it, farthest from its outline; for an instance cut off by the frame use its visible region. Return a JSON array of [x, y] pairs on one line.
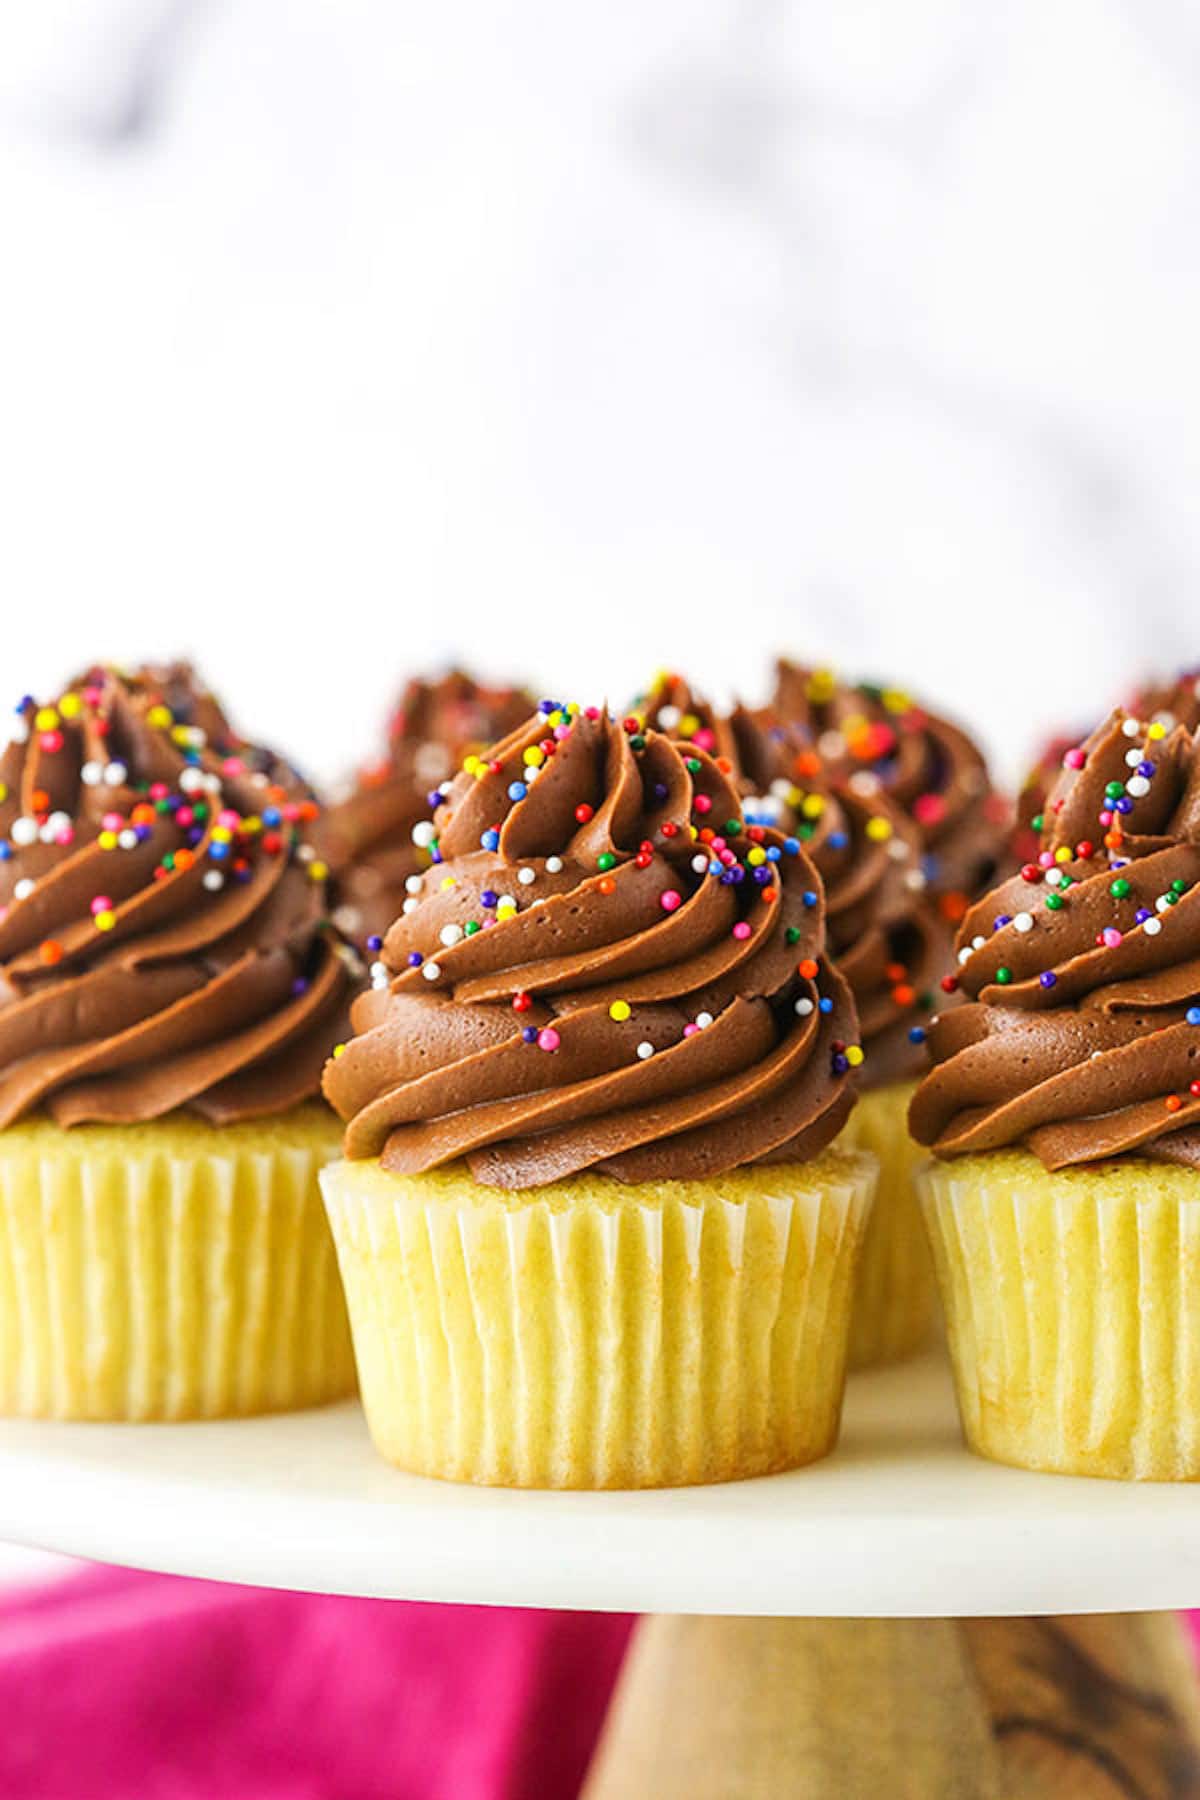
[[901, 1521]]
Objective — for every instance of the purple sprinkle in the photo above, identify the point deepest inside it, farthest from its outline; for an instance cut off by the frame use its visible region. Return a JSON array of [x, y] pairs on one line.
[[1146, 769], [1124, 804], [1048, 978], [660, 790], [529, 1034], [1001, 919], [1142, 914], [489, 897], [762, 876], [415, 959], [374, 944], [434, 799], [300, 985]]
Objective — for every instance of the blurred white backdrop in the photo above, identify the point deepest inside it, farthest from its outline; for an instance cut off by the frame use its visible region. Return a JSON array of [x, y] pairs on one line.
[[343, 335]]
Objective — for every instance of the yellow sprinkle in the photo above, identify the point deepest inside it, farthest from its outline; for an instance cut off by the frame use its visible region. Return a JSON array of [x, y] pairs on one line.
[[471, 764], [534, 756], [449, 881], [895, 701], [1062, 854], [107, 840], [338, 1050], [104, 921], [506, 912], [756, 856], [1157, 730], [854, 1055], [160, 717], [317, 870], [70, 706], [688, 726], [222, 834], [3, 793], [620, 1011], [46, 718], [814, 806], [879, 829], [252, 825], [821, 685]]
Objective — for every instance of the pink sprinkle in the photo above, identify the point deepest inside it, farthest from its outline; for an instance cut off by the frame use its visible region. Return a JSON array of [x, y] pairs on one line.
[[716, 843], [741, 929], [1074, 759], [690, 1030], [727, 857], [702, 803], [158, 790], [233, 765], [184, 816], [1111, 936], [703, 738], [52, 740], [1106, 817], [561, 732], [1046, 859], [228, 819], [66, 835], [592, 712], [670, 900], [548, 1038], [112, 821], [101, 903], [929, 809]]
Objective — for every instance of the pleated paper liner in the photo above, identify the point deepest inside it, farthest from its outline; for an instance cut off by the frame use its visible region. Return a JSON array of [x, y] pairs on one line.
[[895, 1309], [171, 1270], [1073, 1311], [591, 1335]]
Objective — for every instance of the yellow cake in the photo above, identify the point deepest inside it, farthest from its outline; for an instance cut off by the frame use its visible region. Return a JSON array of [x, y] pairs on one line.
[[896, 1302]]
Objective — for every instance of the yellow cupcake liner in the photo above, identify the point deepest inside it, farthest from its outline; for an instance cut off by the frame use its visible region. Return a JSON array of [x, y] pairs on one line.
[[170, 1270], [1073, 1311], [592, 1335], [895, 1308]]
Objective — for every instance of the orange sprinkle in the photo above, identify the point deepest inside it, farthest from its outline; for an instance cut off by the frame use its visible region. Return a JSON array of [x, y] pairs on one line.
[[184, 859], [608, 885], [808, 969], [903, 995], [39, 800], [953, 907], [51, 951], [1174, 1103], [895, 972], [769, 895], [807, 763]]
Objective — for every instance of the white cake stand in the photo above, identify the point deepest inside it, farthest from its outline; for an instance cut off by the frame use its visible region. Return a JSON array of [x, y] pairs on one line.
[[903, 1619]]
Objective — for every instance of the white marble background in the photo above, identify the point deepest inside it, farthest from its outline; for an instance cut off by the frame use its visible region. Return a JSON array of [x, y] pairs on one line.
[[343, 334]]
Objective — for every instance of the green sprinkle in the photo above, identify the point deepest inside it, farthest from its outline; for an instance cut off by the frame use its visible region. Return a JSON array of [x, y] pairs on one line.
[[1038, 821], [792, 934], [471, 927], [693, 765], [605, 861], [1055, 902], [732, 827], [637, 741], [1179, 887], [1114, 790], [1119, 888], [1004, 976]]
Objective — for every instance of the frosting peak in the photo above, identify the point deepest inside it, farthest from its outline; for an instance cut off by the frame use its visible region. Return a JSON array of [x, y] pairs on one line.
[[161, 915], [605, 968]]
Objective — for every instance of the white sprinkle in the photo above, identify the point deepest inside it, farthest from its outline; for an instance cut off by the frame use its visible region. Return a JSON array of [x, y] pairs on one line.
[[24, 831], [450, 934], [92, 773], [916, 880], [214, 881], [704, 1020], [831, 745], [645, 1049], [190, 782], [115, 774], [431, 970], [1053, 877], [898, 850], [964, 956], [127, 839], [864, 784], [1137, 785], [554, 865], [526, 875], [423, 833], [700, 864], [378, 969], [803, 1006], [59, 821], [1162, 904], [1132, 758], [414, 884], [978, 943], [1151, 927], [305, 853], [1022, 921], [23, 889], [20, 730], [668, 717], [410, 905], [1132, 728], [506, 900]]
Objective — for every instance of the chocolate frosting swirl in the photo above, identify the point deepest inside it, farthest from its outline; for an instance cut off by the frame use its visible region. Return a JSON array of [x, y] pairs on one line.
[[1082, 1036], [605, 969], [366, 838], [928, 766], [161, 915], [885, 932]]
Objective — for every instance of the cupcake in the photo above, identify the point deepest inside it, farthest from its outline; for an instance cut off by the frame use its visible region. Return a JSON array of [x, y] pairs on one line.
[[1064, 1115], [592, 1225], [168, 992], [891, 945], [366, 838]]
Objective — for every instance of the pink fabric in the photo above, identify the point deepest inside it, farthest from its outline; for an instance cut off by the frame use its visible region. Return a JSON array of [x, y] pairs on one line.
[[114, 1683]]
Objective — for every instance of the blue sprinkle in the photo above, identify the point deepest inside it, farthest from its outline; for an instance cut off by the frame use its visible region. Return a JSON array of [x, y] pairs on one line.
[[728, 877], [547, 707], [838, 840], [792, 846], [435, 854], [825, 1004], [529, 1034], [1000, 920], [917, 1035], [6, 852], [218, 852], [490, 840], [774, 853], [1193, 1015], [271, 815], [517, 790], [737, 873], [809, 897], [840, 1065], [433, 799]]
